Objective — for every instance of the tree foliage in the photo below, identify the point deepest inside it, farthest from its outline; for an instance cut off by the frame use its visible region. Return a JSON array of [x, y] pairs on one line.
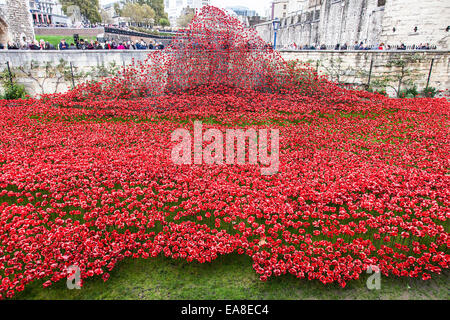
[[164, 22], [141, 14], [156, 5], [402, 72]]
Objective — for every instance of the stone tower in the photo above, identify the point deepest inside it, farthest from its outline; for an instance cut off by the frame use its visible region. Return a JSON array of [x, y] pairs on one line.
[[15, 21]]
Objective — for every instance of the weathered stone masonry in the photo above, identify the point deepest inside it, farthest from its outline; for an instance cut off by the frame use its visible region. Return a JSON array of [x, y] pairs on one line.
[[354, 65], [372, 22], [15, 21]]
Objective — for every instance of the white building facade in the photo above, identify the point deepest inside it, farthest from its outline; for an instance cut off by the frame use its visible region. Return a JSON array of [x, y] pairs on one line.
[[47, 12]]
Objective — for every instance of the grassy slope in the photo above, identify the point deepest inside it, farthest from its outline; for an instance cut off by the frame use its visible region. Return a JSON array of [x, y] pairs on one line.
[[54, 40], [229, 277]]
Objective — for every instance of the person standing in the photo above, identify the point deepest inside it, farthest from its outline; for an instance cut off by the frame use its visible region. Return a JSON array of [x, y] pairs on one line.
[[49, 46], [12, 46], [98, 46], [81, 45], [35, 46], [42, 44], [63, 45]]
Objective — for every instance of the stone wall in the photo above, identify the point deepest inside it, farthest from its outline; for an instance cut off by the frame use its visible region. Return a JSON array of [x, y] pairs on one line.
[[369, 21], [343, 66], [329, 23], [17, 20], [3, 28], [32, 68], [349, 22], [353, 66], [431, 18]]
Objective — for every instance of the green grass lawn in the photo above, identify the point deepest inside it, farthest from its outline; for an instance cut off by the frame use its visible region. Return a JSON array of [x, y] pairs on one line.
[[55, 40], [229, 277]]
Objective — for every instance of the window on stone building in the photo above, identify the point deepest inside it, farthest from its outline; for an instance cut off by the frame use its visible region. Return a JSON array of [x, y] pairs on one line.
[[313, 3], [307, 16], [381, 3], [317, 15]]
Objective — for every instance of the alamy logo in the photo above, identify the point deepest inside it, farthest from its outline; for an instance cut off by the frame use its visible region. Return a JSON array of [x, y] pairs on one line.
[[73, 278], [235, 147], [374, 281]]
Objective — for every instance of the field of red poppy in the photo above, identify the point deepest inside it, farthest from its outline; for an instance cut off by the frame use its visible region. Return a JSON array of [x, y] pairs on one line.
[[357, 186], [87, 180]]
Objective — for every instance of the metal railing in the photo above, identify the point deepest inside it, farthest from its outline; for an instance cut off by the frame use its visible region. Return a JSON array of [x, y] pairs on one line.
[[131, 33]]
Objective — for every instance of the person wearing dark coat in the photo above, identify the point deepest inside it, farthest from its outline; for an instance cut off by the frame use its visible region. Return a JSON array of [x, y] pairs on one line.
[[35, 46], [63, 45]]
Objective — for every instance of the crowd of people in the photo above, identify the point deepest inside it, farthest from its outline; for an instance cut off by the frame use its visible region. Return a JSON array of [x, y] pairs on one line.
[[362, 46], [152, 45], [85, 45], [111, 45]]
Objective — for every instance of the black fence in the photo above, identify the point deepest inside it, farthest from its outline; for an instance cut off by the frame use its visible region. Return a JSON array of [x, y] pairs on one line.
[[131, 33]]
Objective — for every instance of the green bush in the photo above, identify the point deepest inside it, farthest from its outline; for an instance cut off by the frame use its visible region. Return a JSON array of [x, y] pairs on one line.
[[412, 92], [13, 92], [409, 93], [164, 22], [429, 92]]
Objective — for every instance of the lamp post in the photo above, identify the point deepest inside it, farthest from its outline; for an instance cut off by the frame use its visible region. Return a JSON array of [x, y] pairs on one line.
[[276, 25]]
